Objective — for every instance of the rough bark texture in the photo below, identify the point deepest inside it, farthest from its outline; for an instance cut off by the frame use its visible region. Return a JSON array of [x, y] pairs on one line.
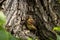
[[44, 12]]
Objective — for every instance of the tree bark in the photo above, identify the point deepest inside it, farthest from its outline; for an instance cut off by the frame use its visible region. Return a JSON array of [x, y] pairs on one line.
[[44, 12]]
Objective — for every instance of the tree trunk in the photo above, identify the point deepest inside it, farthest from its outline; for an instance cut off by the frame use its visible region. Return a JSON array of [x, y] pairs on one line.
[[44, 12]]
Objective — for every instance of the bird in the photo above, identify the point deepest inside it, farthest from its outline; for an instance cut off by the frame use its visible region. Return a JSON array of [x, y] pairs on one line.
[[31, 23]]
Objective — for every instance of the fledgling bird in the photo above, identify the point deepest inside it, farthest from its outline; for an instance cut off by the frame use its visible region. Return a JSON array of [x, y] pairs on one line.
[[31, 23]]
